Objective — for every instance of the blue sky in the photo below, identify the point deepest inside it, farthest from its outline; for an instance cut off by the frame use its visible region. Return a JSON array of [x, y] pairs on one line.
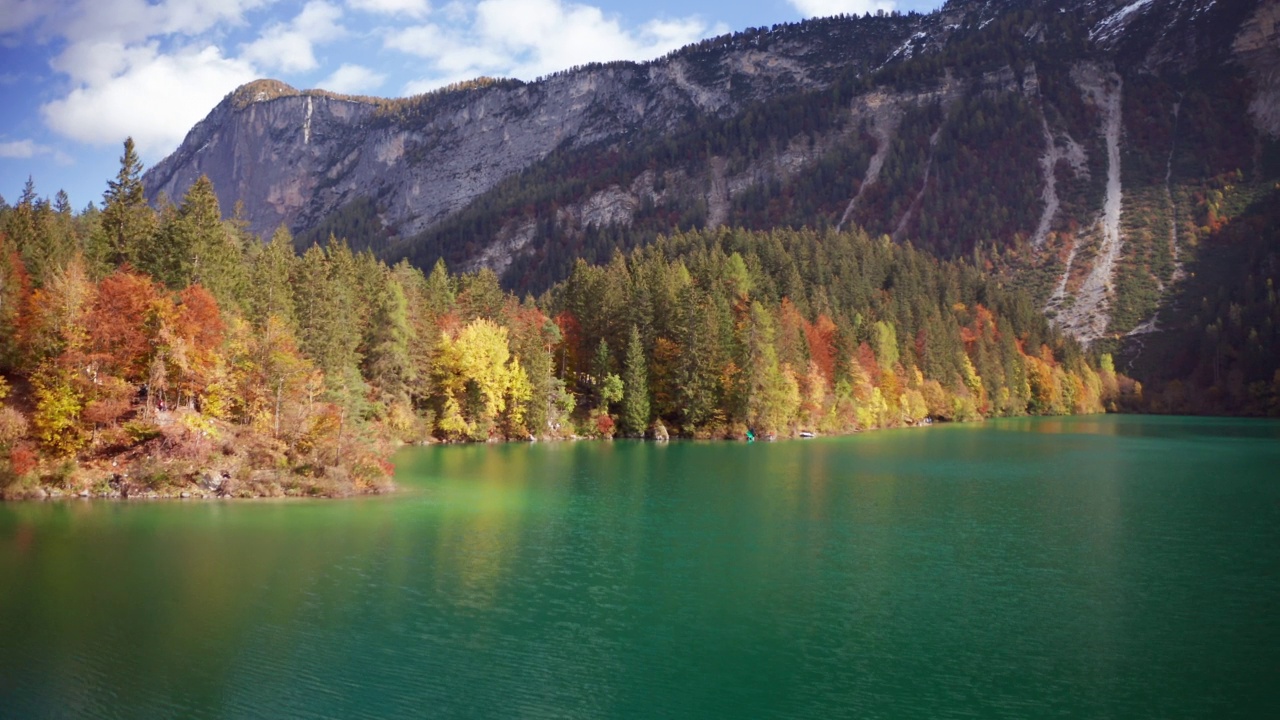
[[78, 76]]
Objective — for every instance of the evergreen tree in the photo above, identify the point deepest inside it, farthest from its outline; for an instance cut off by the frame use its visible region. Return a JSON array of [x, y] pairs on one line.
[[387, 365], [601, 369], [128, 224], [167, 255], [216, 257], [269, 292], [324, 330], [439, 293], [635, 387], [698, 365], [480, 295]]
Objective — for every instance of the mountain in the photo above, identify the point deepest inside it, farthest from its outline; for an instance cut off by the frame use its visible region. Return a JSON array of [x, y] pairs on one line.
[[298, 157], [1089, 152]]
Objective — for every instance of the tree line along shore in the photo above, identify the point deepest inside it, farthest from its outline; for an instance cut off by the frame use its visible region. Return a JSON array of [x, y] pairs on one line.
[[169, 352]]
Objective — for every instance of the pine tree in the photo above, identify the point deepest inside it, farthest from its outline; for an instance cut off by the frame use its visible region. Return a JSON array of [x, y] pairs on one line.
[[216, 258], [269, 293], [166, 256], [127, 221], [698, 365], [635, 387], [601, 369], [439, 291], [481, 296], [387, 366]]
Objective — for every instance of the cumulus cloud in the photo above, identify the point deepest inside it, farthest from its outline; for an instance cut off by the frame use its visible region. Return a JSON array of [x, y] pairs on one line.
[[27, 148], [290, 47], [411, 8], [529, 38], [20, 14], [353, 80], [825, 8], [132, 67], [20, 149], [153, 96], [120, 20]]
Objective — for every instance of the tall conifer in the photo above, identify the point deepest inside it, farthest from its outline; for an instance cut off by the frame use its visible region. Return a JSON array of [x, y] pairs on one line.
[[635, 387], [127, 221]]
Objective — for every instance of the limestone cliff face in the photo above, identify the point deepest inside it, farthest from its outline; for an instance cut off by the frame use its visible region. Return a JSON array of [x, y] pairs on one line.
[[294, 157], [273, 154]]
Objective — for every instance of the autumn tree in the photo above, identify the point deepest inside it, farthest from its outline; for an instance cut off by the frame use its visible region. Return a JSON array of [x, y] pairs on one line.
[[55, 346], [199, 327], [14, 289], [120, 339], [476, 373]]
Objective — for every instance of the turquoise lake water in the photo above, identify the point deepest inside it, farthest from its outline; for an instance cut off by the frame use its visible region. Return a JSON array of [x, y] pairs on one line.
[[1124, 567]]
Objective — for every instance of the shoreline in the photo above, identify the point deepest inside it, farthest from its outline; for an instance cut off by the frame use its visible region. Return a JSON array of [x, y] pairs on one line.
[[211, 484], [280, 486]]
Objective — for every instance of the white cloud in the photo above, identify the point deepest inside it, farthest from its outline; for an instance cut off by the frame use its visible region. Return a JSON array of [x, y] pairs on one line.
[[27, 148], [135, 67], [454, 57], [152, 96], [826, 8], [353, 80], [290, 47], [530, 38], [411, 8], [20, 14], [120, 20], [21, 149]]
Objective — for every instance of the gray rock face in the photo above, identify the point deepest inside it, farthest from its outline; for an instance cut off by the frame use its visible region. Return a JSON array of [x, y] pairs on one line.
[[293, 157], [272, 154]]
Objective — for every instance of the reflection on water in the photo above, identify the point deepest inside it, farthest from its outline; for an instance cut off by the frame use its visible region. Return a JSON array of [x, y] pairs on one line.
[[1085, 566]]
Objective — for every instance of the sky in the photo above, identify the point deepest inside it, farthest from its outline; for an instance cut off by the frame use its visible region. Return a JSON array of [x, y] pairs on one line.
[[79, 76]]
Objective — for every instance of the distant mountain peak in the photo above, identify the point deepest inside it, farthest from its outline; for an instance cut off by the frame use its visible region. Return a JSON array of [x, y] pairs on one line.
[[261, 90]]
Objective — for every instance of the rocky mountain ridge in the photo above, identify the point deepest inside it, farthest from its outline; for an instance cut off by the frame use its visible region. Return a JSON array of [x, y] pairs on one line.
[[293, 157]]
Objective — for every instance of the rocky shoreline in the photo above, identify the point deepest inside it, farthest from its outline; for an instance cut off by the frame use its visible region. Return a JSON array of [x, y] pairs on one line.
[[85, 482]]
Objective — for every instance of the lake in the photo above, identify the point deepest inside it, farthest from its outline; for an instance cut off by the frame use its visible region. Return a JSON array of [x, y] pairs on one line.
[[1122, 567]]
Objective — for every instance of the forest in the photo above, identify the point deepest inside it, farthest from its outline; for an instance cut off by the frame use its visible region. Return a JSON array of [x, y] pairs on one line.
[[165, 351]]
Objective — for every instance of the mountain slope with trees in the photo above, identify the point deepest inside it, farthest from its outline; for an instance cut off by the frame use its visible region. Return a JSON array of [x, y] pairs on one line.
[[1066, 147]]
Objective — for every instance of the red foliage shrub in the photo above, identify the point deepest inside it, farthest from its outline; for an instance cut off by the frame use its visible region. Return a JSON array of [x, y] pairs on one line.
[[22, 459]]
